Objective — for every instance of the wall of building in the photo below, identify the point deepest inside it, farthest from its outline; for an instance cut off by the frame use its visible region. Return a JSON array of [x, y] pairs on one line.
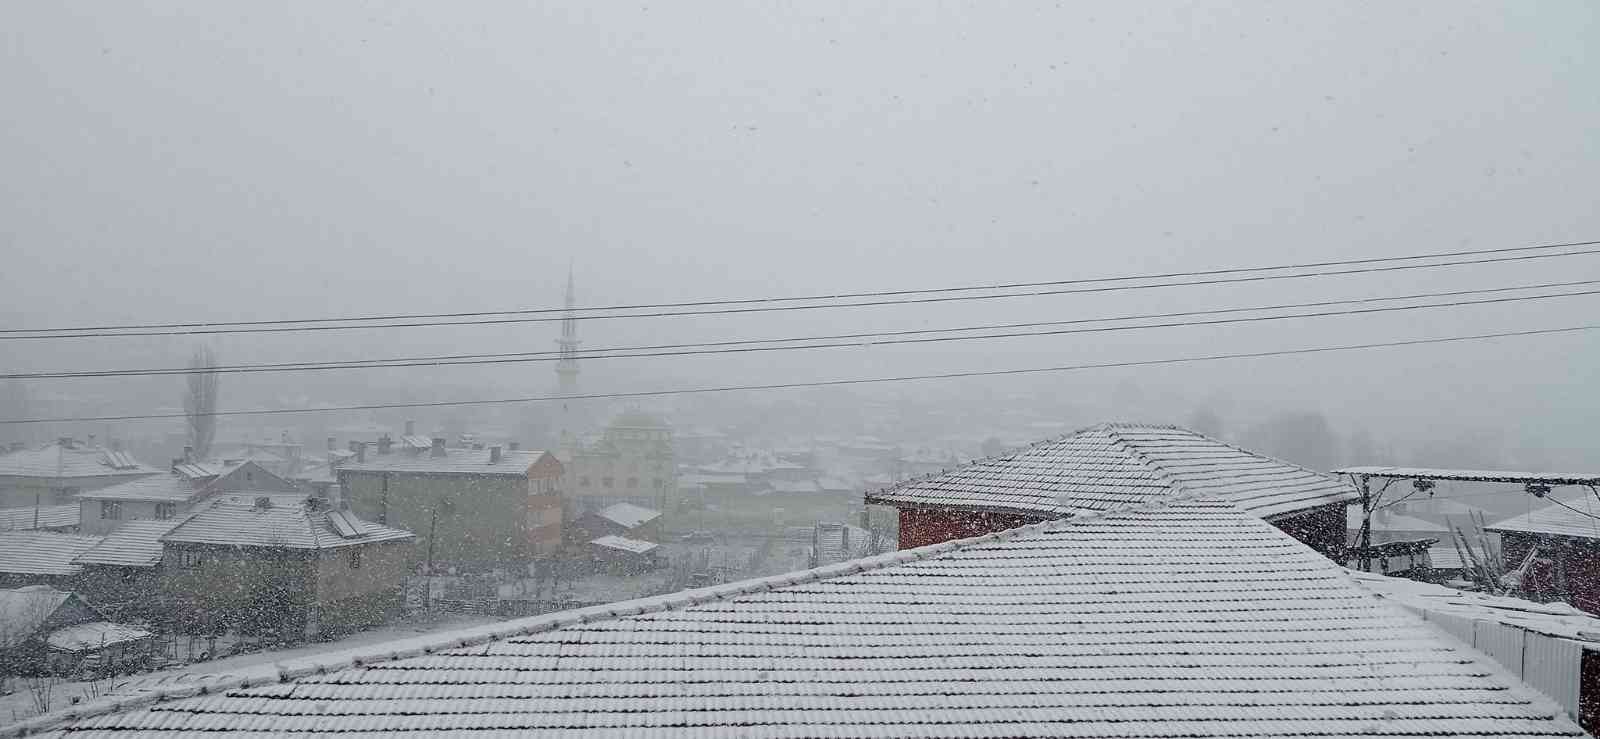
[[90, 510], [1573, 575], [924, 526], [245, 589], [351, 596], [482, 521], [1322, 528]]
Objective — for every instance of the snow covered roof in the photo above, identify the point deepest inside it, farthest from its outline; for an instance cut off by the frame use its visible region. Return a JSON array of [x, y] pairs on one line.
[[1188, 619], [94, 635], [628, 515], [1429, 473], [64, 460], [42, 552], [1556, 520], [172, 488], [23, 609], [237, 519], [624, 544], [454, 462], [132, 544], [1113, 465], [39, 517]]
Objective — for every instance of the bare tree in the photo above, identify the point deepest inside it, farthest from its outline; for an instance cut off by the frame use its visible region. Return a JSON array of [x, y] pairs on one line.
[[200, 401]]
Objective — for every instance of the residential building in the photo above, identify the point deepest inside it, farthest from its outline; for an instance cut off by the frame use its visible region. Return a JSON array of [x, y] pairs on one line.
[[1169, 618], [54, 474], [44, 630], [1556, 550], [476, 508], [1114, 465], [165, 497], [42, 558], [122, 573], [631, 462], [259, 562]]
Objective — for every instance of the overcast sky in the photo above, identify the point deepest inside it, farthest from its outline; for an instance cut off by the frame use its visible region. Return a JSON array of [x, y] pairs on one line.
[[229, 160]]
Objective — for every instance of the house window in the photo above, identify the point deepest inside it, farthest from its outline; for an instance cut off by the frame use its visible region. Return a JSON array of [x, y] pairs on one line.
[[583, 482], [606, 482], [656, 483], [165, 511], [633, 482], [191, 560], [110, 510], [355, 559]]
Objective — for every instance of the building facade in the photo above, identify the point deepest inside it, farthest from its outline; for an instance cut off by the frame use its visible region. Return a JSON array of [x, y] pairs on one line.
[[474, 508], [632, 462], [55, 474]]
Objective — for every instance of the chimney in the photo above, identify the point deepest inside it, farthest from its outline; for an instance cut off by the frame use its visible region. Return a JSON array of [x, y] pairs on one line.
[[411, 428], [332, 444], [360, 448], [494, 454], [514, 446], [384, 442], [315, 503], [188, 454], [91, 440], [438, 446]]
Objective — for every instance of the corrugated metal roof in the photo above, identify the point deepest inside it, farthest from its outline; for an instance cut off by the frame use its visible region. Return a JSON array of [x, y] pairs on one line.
[[132, 544], [628, 515], [59, 461], [1430, 473], [624, 544], [235, 519], [1193, 619], [39, 517], [94, 635], [42, 552], [22, 610], [1113, 465], [1557, 520], [455, 461], [1386, 521]]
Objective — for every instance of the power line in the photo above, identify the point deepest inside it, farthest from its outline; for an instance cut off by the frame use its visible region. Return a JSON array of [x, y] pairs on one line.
[[1574, 510], [855, 340], [824, 383], [277, 326]]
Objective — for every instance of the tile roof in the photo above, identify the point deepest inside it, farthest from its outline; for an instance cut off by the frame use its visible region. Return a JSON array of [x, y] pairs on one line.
[[1113, 465], [455, 461], [132, 544], [1556, 520], [58, 460], [1191, 619], [168, 488], [42, 552], [39, 517], [235, 519], [624, 544], [628, 515]]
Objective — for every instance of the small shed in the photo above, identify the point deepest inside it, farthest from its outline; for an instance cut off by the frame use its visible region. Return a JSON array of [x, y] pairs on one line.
[[623, 556]]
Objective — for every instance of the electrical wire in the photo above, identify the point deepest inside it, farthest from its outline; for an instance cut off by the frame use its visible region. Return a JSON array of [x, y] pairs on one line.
[[824, 383], [277, 326], [885, 339]]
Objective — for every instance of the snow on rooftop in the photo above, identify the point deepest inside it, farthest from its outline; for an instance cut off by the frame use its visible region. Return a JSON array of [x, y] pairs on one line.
[[42, 552], [39, 517], [623, 544], [1113, 465], [628, 515], [248, 519], [1579, 519], [131, 544], [1189, 619], [1431, 473]]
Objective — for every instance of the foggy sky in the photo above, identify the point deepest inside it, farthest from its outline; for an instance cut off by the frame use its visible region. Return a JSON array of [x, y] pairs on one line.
[[183, 161]]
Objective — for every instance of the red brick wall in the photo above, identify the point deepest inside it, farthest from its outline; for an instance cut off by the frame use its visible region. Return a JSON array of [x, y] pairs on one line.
[[921, 526]]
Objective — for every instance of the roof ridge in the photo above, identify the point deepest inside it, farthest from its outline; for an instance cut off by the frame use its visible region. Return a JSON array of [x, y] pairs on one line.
[[1179, 491], [282, 672]]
